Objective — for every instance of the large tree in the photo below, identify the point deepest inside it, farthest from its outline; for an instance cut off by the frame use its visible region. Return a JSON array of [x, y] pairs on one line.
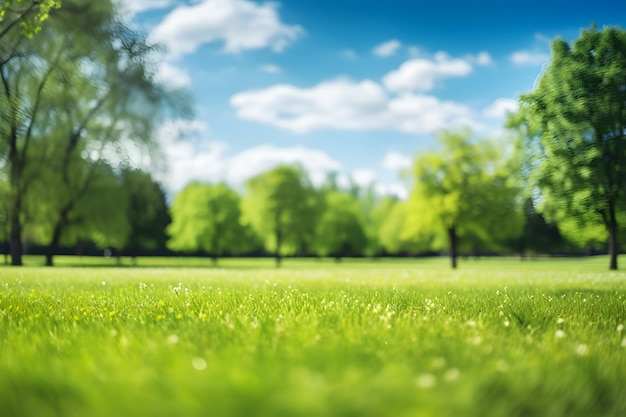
[[206, 217], [279, 205], [73, 96], [579, 104], [466, 195]]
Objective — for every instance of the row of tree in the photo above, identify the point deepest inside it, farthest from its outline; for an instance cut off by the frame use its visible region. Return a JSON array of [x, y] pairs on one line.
[[561, 183], [78, 90], [466, 199]]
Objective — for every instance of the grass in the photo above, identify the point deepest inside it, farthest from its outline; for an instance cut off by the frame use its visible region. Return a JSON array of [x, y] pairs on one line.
[[315, 338]]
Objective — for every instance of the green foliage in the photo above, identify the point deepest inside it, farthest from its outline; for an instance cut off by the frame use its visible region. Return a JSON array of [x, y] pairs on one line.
[[384, 338], [206, 217], [340, 231], [467, 190], [147, 212], [79, 96], [29, 14], [579, 106], [282, 207]]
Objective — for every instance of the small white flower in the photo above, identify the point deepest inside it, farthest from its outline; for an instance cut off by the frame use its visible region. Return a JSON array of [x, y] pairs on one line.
[[559, 320], [451, 374], [172, 339], [620, 328], [199, 364], [559, 334], [426, 381], [507, 323], [581, 350]]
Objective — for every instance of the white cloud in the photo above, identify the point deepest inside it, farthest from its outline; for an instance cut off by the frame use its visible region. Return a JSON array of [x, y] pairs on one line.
[[172, 76], [528, 58], [421, 74], [387, 49], [133, 7], [255, 160], [482, 58], [271, 69], [500, 108], [395, 190], [239, 24], [191, 155], [363, 177], [395, 161], [346, 105]]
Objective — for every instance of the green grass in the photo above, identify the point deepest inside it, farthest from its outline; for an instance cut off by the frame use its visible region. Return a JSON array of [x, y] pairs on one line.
[[315, 338]]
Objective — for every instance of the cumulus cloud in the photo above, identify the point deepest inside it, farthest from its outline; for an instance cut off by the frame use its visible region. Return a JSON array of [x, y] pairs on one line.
[[500, 108], [395, 161], [170, 75], [528, 58], [420, 74], [133, 7], [363, 177], [387, 49], [343, 104], [239, 24], [482, 58], [397, 190], [191, 155], [271, 69]]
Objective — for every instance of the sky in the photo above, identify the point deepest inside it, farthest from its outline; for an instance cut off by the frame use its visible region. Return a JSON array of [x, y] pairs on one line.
[[356, 87]]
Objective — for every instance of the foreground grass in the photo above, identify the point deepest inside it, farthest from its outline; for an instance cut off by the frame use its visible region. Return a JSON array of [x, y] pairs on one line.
[[409, 338]]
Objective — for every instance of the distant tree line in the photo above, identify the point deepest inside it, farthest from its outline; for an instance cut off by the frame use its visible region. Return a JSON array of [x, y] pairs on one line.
[[78, 93]]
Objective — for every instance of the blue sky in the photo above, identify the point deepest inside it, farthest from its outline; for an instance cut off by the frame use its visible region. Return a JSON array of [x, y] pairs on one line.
[[353, 86]]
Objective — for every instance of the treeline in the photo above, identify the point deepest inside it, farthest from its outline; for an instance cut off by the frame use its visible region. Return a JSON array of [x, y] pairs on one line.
[[79, 97]]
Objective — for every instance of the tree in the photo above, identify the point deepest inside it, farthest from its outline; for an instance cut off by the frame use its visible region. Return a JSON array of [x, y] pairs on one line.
[[340, 231], [86, 91], [206, 217], [579, 105], [278, 205], [99, 215], [147, 213], [27, 15], [468, 192]]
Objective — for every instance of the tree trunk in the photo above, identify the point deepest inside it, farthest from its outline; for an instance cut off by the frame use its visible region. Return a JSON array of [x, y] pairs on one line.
[[53, 247], [279, 240], [16, 233], [214, 258], [452, 237], [613, 245]]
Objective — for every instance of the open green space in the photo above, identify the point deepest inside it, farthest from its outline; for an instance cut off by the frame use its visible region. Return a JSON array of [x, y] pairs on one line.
[[361, 338]]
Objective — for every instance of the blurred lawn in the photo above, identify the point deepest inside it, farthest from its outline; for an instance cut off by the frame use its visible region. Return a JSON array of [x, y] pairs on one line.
[[498, 337]]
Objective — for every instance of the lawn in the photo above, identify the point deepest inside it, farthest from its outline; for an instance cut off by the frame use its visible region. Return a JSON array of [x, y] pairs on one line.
[[315, 338]]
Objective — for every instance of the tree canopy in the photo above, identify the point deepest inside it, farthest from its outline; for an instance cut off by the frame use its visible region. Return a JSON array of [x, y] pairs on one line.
[[206, 217], [464, 195], [578, 108], [280, 206]]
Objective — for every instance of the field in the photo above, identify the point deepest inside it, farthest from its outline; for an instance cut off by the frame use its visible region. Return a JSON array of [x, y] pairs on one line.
[[315, 338]]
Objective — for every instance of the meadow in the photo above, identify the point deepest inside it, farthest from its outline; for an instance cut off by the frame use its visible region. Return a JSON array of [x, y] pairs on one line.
[[315, 338]]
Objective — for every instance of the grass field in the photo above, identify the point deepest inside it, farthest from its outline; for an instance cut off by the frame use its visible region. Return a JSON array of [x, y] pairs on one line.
[[315, 338]]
